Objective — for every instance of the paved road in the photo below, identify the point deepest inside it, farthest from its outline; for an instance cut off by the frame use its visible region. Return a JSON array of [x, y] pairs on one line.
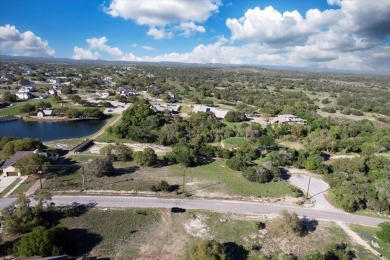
[[213, 205], [300, 178]]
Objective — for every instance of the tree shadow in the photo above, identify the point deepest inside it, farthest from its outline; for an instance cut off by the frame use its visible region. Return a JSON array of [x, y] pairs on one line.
[[83, 241], [234, 251], [204, 161], [284, 174], [308, 226], [122, 171], [174, 187], [53, 215], [64, 166]]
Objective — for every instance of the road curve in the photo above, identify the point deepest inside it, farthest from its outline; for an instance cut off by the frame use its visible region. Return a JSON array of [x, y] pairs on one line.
[[213, 205]]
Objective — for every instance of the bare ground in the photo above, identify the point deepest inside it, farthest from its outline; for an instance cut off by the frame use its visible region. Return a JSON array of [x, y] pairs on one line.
[[159, 149], [164, 243]]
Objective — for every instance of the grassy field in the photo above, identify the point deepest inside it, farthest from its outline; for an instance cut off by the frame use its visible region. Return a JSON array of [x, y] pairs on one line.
[[368, 234], [234, 142], [122, 237], [213, 179], [15, 108]]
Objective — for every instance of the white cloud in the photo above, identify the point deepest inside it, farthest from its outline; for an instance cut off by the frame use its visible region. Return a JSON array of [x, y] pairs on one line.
[[269, 26], [95, 46], [100, 44], [148, 48], [84, 54], [189, 28], [159, 33], [165, 17], [26, 44]]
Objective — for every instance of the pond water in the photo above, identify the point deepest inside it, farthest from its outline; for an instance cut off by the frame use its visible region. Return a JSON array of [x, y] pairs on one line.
[[47, 131]]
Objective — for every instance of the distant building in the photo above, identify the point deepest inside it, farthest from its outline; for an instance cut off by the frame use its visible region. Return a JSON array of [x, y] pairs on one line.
[[24, 95], [24, 82], [45, 112], [104, 93], [288, 119], [125, 91], [201, 108], [219, 113], [170, 108]]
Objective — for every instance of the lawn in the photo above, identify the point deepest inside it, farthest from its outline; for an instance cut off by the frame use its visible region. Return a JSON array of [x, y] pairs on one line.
[[213, 179], [368, 234], [15, 108], [237, 142], [25, 186], [118, 233]]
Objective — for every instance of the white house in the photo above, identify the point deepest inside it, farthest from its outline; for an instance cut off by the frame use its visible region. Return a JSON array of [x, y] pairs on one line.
[[219, 113], [170, 108], [288, 119], [45, 112], [24, 95]]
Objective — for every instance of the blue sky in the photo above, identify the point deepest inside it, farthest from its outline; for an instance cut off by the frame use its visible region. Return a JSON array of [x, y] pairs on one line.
[[348, 34]]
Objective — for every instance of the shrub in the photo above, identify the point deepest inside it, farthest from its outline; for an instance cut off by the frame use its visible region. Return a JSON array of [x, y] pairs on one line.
[[161, 186], [384, 233], [235, 116], [206, 250], [237, 163]]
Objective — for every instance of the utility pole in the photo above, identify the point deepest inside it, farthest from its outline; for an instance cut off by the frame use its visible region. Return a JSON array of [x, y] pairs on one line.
[[82, 175], [184, 181], [308, 187]]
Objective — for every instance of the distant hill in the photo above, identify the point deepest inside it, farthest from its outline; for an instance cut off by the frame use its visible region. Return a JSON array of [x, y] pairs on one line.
[[182, 64]]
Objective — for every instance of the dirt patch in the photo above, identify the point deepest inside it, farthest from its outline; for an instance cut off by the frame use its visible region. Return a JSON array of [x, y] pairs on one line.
[[196, 227], [293, 145], [159, 149], [163, 243]]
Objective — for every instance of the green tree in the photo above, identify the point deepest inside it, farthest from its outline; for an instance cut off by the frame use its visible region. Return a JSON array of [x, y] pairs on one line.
[[384, 233], [20, 217], [25, 144], [100, 167], [27, 108], [184, 154], [147, 157], [289, 223], [117, 152], [33, 164], [235, 116], [206, 250], [42, 242], [9, 97], [237, 162]]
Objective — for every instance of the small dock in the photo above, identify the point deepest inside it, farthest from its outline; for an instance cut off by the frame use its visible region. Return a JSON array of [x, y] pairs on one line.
[[8, 118], [82, 118], [82, 146]]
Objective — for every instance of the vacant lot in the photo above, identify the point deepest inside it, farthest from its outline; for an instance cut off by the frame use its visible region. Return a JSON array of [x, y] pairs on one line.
[[160, 234], [214, 179]]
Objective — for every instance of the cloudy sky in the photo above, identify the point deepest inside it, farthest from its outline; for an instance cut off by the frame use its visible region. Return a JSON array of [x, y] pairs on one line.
[[343, 34]]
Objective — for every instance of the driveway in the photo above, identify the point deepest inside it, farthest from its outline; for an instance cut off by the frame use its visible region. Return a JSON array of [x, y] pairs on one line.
[[317, 189]]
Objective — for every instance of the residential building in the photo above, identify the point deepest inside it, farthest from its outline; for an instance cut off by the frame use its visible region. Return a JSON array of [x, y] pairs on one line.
[[45, 112], [288, 119], [8, 166]]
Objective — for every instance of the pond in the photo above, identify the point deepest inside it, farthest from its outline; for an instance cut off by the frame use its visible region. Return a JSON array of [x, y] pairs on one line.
[[47, 131]]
